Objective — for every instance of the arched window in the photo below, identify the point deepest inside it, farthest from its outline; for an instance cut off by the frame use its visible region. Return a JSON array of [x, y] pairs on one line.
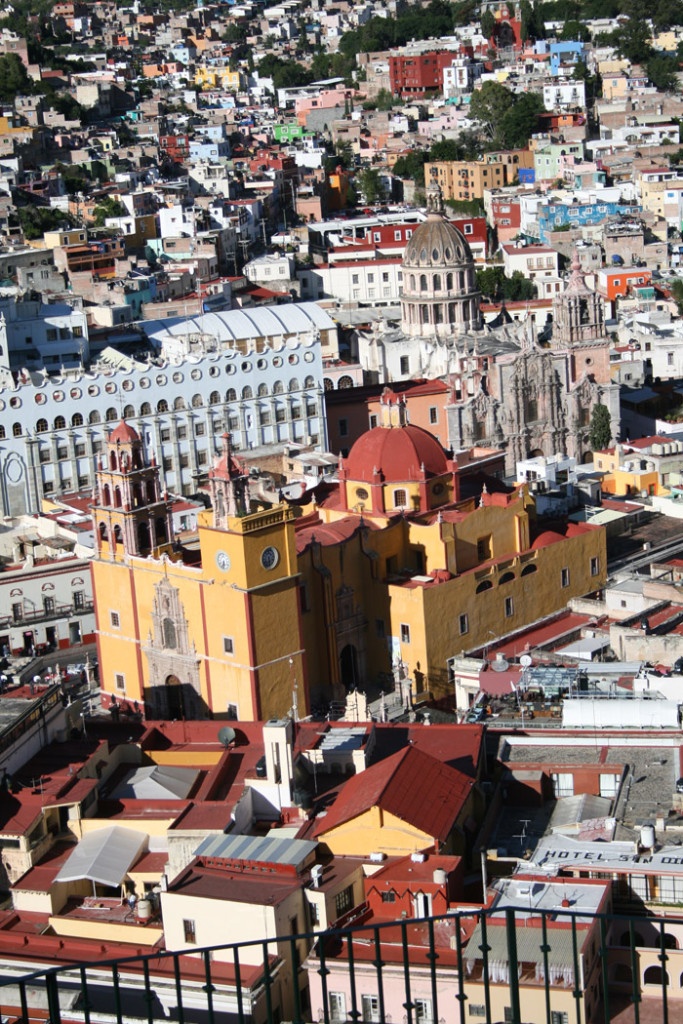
[[484, 585], [94, 417], [143, 537], [117, 497], [106, 495], [102, 529], [449, 282], [424, 314], [247, 392], [507, 577], [423, 282], [412, 281], [162, 405], [400, 498], [137, 461], [112, 461], [41, 426], [111, 415], [179, 403], [77, 419], [231, 395], [214, 398], [197, 402], [262, 390], [145, 409], [345, 382], [118, 536], [151, 492], [169, 634], [451, 313], [309, 382], [2, 432], [528, 570], [60, 423], [293, 384], [128, 412], [655, 975], [279, 388], [436, 282], [438, 314], [160, 529], [327, 384], [138, 496]]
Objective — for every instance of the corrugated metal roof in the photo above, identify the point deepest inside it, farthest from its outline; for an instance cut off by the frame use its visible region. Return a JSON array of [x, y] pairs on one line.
[[234, 324], [158, 782], [270, 850], [104, 856], [529, 942]]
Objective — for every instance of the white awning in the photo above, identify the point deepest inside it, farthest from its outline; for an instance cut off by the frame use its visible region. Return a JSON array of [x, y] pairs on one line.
[[104, 856]]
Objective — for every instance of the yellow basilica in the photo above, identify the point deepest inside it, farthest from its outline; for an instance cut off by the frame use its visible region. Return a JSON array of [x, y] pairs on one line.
[[298, 604]]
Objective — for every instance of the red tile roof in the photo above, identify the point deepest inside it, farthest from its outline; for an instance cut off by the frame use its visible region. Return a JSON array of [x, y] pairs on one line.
[[411, 785]]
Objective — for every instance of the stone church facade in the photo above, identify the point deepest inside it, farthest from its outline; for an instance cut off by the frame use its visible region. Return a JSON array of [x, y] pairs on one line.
[[508, 389]]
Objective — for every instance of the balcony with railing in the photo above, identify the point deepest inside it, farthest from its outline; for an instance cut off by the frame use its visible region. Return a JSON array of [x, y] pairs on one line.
[[22, 616], [562, 966]]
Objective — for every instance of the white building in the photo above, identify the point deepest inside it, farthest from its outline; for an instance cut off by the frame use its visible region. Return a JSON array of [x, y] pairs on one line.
[[42, 335], [257, 373], [564, 95], [373, 282], [533, 261], [271, 270]]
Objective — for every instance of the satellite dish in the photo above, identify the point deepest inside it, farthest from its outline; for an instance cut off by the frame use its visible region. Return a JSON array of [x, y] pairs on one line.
[[226, 735], [500, 665], [526, 660]]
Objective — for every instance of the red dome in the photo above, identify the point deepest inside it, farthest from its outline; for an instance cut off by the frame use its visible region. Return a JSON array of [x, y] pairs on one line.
[[397, 453], [122, 432], [546, 538]]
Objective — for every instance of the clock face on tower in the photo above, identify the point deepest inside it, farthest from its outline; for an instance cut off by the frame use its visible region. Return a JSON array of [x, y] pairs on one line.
[[223, 561], [269, 557]]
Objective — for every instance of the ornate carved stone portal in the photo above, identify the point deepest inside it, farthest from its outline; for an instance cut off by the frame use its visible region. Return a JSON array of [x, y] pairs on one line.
[[174, 688]]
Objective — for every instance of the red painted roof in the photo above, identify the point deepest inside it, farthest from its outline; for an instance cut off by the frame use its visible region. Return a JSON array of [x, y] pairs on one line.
[[410, 784], [122, 432], [397, 453]]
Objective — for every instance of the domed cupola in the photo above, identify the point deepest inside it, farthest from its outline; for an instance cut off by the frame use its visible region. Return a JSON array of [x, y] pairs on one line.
[[439, 289]]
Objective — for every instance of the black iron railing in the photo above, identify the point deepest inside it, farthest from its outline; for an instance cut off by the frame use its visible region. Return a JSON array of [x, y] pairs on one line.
[[438, 969]]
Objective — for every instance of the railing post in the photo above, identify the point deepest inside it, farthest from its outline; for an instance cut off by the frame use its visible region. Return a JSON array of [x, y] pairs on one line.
[[511, 928], [52, 991]]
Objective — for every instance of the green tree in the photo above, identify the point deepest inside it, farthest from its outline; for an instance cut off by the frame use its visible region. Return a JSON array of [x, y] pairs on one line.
[[14, 80], [633, 41], [385, 100], [488, 23], [676, 289], [108, 207], [600, 434], [370, 184], [489, 104], [411, 166], [662, 71], [445, 149], [521, 120], [575, 30]]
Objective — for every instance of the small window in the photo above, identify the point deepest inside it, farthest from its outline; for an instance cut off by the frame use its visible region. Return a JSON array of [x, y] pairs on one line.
[[120, 682], [389, 897], [400, 498], [476, 1010], [370, 1005], [509, 607], [595, 566], [228, 645], [464, 624], [405, 365], [380, 629], [433, 414], [115, 620], [337, 1006], [189, 931], [405, 633], [343, 427], [373, 421], [565, 577]]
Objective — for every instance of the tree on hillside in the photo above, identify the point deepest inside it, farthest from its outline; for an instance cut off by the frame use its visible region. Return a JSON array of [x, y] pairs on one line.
[[600, 434], [14, 80], [489, 103], [662, 71], [488, 23], [370, 184]]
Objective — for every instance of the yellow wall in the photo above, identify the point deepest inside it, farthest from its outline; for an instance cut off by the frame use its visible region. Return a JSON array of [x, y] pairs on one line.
[[376, 831], [103, 931]]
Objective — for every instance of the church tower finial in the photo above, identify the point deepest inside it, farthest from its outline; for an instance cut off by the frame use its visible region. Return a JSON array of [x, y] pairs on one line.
[[229, 488], [434, 197]]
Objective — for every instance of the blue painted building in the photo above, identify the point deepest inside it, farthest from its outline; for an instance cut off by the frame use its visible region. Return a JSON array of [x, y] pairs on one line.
[[567, 52], [557, 215]]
